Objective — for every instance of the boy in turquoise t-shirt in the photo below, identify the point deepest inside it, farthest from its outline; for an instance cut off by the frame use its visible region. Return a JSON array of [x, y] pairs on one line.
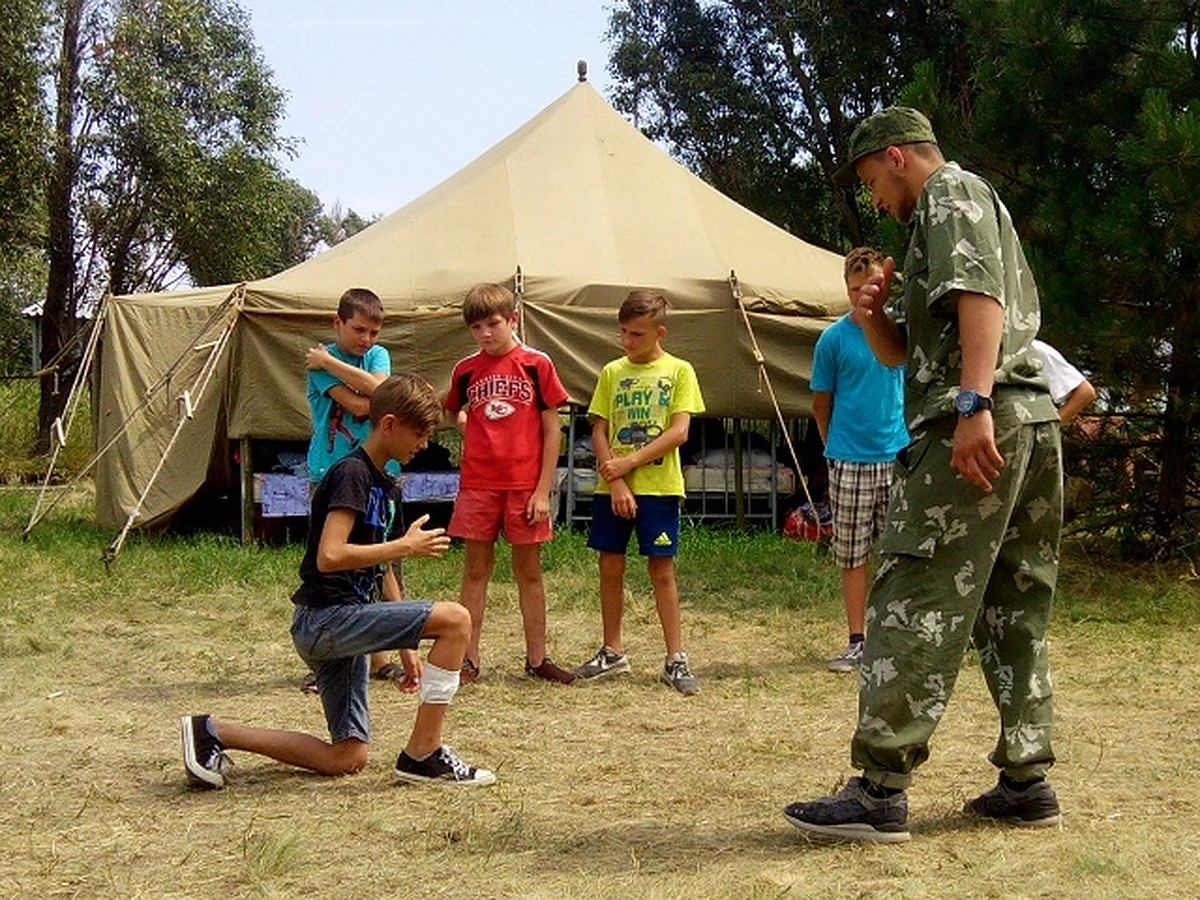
[[640, 411], [342, 376], [858, 405]]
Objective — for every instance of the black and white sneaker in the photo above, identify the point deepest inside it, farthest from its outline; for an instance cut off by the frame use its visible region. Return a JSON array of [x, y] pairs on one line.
[[853, 814], [848, 660], [607, 661], [204, 756], [442, 766], [678, 674]]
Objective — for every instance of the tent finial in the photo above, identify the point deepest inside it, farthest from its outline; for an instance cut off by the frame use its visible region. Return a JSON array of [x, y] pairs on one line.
[[581, 69]]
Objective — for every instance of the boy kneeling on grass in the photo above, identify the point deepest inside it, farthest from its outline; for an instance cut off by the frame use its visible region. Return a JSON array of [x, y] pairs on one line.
[[335, 625]]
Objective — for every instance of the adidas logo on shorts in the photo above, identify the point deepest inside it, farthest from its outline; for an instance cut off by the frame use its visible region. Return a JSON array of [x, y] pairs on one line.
[[663, 540]]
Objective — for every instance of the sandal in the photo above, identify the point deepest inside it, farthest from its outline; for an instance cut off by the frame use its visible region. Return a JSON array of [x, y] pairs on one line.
[[389, 672], [468, 673]]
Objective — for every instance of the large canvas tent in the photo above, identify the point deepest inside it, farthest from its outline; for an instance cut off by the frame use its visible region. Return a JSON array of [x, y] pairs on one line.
[[573, 210]]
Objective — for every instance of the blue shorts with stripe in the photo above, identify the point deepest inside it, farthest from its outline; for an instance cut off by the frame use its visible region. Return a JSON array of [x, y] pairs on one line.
[[656, 523]]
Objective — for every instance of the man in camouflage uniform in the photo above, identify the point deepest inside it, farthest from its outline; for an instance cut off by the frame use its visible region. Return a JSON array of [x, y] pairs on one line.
[[971, 544]]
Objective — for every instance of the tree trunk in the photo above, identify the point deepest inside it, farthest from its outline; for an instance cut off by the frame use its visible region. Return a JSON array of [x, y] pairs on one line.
[[59, 311], [1181, 422]]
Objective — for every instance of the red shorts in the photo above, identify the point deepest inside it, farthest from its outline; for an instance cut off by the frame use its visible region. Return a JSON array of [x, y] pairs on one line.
[[480, 515]]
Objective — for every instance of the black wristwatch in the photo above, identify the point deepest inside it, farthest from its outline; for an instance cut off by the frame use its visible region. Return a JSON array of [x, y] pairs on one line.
[[969, 402]]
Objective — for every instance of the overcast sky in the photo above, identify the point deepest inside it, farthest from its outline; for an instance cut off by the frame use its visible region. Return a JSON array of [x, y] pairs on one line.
[[389, 97]]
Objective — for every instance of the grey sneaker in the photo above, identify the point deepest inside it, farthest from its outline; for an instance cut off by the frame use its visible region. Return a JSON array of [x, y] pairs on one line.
[[204, 756], [442, 766], [1034, 807], [852, 814], [849, 659], [607, 661], [677, 674]]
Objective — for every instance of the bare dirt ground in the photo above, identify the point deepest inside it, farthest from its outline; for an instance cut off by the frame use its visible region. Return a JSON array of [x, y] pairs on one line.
[[621, 789]]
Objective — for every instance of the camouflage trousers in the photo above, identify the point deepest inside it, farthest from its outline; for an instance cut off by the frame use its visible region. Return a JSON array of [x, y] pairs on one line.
[[957, 564]]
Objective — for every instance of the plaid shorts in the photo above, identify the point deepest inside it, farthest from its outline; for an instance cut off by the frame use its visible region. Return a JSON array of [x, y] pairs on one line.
[[858, 497]]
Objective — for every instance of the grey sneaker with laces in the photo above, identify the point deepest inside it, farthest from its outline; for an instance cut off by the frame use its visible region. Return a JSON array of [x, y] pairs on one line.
[[678, 675], [442, 766], [607, 661], [853, 814], [849, 659], [204, 756], [1034, 806]]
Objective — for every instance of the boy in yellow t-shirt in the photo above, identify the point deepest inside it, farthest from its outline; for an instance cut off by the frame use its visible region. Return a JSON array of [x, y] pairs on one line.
[[640, 411]]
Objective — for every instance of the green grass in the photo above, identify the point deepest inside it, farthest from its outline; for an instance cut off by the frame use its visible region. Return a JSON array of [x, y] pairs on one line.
[[738, 573], [19, 463]]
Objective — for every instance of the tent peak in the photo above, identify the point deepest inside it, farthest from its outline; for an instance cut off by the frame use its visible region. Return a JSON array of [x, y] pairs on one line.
[[581, 69]]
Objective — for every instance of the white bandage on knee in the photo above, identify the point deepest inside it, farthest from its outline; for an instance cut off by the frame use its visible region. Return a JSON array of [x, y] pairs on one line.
[[438, 685]]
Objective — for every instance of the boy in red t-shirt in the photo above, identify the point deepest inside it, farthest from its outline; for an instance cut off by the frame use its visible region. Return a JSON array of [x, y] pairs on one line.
[[505, 398]]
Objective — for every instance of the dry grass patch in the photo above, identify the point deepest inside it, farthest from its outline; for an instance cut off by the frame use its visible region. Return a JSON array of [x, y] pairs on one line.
[[617, 789]]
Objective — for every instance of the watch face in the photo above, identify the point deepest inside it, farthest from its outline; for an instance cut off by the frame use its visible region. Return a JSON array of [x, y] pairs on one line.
[[966, 402]]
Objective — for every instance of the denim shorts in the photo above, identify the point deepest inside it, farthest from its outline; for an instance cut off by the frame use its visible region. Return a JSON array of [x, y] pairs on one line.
[[335, 640], [657, 524]]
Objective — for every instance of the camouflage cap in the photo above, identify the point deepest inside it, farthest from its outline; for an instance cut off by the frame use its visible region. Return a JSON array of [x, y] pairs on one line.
[[889, 127]]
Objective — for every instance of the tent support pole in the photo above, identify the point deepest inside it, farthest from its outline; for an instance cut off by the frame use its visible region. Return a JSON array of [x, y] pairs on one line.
[[739, 481], [736, 289], [519, 295], [246, 470]]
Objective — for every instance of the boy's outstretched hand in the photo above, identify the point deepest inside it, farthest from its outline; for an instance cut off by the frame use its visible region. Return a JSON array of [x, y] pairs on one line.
[[419, 541]]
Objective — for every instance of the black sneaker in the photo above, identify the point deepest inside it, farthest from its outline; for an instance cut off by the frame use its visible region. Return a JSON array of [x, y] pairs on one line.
[[1034, 807], [204, 756], [442, 766], [852, 814]]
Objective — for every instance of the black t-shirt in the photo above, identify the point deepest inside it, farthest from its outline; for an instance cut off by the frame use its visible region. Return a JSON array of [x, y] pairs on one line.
[[353, 483]]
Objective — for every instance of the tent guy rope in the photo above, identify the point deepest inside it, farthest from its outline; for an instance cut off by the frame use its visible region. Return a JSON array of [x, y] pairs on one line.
[[60, 429], [188, 399], [224, 314], [764, 378]]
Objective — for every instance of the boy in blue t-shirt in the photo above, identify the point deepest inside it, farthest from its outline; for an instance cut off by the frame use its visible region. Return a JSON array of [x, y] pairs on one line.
[[858, 405], [342, 376]]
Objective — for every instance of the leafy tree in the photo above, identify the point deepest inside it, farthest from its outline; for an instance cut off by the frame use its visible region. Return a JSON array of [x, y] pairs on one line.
[[23, 136], [759, 96], [22, 279], [162, 159], [335, 226], [1084, 114], [1098, 156], [23, 126]]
